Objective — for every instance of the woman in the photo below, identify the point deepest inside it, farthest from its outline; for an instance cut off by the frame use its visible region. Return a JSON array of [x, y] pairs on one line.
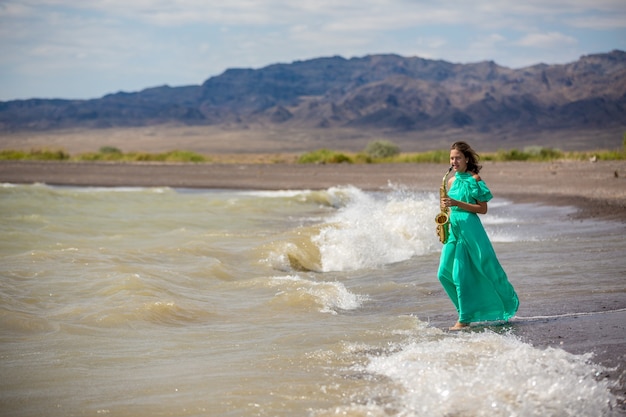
[[469, 269]]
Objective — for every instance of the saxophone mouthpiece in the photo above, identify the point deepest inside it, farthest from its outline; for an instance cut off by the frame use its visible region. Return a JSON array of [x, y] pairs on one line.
[[450, 169]]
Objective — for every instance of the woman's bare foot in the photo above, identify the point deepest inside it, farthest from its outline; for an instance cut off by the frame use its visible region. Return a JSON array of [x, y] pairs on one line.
[[459, 326]]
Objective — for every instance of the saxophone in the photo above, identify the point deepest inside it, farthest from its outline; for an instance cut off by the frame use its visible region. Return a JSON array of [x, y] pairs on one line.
[[443, 218]]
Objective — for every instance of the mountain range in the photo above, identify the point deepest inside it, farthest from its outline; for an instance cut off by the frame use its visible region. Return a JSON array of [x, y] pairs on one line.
[[389, 92]]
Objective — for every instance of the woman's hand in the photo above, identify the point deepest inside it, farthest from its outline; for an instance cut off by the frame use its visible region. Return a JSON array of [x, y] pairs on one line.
[[449, 202]]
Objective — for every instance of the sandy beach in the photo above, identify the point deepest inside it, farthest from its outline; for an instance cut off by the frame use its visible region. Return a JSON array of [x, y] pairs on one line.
[[597, 189]]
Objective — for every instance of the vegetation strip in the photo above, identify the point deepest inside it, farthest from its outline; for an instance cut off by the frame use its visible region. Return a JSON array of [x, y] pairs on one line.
[[381, 151]]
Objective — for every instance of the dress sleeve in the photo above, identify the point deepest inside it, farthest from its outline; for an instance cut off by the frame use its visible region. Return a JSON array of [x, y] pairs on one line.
[[479, 191]]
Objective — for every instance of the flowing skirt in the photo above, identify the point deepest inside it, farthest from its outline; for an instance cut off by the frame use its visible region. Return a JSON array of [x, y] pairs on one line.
[[472, 275]]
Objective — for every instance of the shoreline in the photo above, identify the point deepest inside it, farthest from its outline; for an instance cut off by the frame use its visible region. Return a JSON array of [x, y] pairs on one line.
[[598, 189]]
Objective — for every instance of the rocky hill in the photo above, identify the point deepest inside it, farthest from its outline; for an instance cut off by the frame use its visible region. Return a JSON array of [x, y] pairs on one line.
[[373, 92]]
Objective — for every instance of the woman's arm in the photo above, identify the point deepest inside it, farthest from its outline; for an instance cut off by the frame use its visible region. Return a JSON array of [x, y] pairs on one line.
[[479, 207]]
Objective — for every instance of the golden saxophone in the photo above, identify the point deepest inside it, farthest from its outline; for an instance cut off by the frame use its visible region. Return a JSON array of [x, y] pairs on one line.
[[443, 218]]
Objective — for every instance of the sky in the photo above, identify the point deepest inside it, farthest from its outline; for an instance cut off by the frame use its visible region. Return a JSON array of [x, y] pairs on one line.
[[76, 49]]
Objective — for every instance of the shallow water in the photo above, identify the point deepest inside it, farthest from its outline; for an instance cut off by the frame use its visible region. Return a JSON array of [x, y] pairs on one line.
[[176, 302]]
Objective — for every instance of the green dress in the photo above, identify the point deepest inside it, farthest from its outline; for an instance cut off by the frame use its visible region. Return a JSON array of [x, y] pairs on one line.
[[469, 269]]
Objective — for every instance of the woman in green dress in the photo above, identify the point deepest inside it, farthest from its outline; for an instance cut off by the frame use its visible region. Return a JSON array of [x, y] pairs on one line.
[[469, 269]]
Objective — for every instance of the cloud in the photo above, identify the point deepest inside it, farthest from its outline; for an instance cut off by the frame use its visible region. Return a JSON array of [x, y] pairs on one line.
[[546, 40], [185, 41], [614, 21]]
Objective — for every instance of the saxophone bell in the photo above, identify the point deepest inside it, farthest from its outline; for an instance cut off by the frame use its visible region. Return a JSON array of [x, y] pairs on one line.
[[442, 218]]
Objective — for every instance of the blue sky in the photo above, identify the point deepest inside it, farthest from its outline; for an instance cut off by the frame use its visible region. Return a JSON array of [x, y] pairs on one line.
[[86, 49]]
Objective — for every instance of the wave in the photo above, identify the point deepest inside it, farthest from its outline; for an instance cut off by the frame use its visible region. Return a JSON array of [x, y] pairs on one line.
[[333, 197], [367, 230], [296, 292], [447, 376], [362, 230], [432, 373], [295, 250], [136, 312]]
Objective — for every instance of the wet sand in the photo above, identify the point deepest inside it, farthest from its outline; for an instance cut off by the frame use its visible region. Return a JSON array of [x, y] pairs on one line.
[[597, 189]]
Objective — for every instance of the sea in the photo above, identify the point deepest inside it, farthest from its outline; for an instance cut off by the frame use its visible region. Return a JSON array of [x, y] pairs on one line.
[[203, 302]]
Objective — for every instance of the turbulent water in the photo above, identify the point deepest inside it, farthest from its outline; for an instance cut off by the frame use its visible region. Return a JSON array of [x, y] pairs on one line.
[[176, 302]]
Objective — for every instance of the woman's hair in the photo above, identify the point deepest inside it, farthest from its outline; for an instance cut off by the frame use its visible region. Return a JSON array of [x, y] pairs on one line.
[[470, 154]]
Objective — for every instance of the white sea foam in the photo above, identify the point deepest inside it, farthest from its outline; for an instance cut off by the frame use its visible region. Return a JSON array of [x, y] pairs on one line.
[[370, 230], [487, 374]]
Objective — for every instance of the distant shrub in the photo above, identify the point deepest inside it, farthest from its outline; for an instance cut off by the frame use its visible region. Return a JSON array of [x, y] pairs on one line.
[[90, 156], [437, 157], [363, 158], [324, 156], [543, 154], [35, 155], [141, 157], [530, 153], [114, 154], [616, 155], [50, 155], [512, 155], [110, 150], [13, 155], [381, 149], [183, 156], [106, 153]]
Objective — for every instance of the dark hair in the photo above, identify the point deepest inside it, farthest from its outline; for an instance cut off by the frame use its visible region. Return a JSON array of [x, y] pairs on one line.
[[470, 154]]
